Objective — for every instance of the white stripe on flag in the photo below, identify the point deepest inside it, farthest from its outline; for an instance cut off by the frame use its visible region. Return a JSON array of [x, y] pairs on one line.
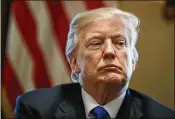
[[19, 57], [73, 7], [52, 55]]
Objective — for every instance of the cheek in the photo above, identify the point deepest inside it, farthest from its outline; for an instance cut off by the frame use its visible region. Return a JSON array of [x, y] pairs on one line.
[[92, 59], [129, 59], [128, 63], [126, 60]]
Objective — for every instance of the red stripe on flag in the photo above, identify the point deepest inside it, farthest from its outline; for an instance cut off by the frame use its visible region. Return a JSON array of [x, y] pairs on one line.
[[60, 25], [93, 4], [27, 27], [10, 82]]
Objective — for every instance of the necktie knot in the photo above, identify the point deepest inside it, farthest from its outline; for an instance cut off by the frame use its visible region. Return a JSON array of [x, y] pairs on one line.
[[99, 112]]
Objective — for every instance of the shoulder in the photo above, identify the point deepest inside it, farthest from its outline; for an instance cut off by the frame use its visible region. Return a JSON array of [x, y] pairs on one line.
[[49, 94], [151, 107], [44, 100]]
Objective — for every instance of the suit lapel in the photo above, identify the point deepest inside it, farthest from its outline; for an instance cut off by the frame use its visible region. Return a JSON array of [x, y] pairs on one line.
[[130, 108], [72, 107]]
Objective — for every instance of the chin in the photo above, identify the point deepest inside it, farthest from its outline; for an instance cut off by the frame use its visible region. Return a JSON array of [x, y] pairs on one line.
[[112, 78]]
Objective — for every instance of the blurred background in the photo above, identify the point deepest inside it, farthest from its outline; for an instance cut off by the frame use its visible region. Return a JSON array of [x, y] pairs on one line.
[[34, 34]]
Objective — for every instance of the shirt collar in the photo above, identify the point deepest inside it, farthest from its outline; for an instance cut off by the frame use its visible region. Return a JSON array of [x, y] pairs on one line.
[[112, 107]]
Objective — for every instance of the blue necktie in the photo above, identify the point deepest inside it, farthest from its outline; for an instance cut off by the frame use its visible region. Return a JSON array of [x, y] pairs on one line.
[[99, 112]]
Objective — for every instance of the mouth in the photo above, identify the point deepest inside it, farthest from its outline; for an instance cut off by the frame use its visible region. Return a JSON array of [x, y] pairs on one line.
[[111, 67]]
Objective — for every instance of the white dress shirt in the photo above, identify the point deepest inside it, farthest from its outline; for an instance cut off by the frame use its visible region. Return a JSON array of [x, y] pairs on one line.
[[112, 107]]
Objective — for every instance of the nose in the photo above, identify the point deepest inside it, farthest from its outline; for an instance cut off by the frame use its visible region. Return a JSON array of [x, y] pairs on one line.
[[109, 52]]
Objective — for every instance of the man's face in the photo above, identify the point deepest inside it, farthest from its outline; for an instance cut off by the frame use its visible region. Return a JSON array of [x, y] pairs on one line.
[[104, 54]]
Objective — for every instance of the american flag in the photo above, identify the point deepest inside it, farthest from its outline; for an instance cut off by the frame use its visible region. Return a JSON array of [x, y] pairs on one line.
[[36, 42]]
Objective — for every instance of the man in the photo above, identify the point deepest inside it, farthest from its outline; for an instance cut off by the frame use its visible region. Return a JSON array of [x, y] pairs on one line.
[[102, 54]]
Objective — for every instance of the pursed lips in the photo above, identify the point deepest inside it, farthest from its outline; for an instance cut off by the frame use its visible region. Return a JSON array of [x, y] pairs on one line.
[[111, 66]]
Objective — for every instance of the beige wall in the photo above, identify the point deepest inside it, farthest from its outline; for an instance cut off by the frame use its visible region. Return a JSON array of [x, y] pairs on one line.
[[155, 72]]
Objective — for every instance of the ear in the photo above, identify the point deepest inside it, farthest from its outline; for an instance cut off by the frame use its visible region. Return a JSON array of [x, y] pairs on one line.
[[74, 65]]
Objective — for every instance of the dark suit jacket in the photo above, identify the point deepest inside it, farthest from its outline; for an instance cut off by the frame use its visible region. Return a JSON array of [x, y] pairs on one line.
[[65, 102]]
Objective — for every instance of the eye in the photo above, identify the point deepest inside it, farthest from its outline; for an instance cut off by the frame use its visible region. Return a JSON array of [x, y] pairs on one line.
[[120, 44], [97, 43]]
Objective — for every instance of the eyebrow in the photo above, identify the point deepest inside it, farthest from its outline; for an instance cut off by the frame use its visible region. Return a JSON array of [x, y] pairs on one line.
[[118, 36], [95, 35], [102, 35]]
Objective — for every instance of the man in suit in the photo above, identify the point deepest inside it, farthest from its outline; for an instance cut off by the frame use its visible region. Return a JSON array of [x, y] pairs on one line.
[[101, 50]]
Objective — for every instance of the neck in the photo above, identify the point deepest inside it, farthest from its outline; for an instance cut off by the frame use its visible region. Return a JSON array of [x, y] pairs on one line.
[[104, 93]]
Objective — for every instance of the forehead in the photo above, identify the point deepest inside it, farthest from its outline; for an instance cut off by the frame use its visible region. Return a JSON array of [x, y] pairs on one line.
[[105, 27]]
